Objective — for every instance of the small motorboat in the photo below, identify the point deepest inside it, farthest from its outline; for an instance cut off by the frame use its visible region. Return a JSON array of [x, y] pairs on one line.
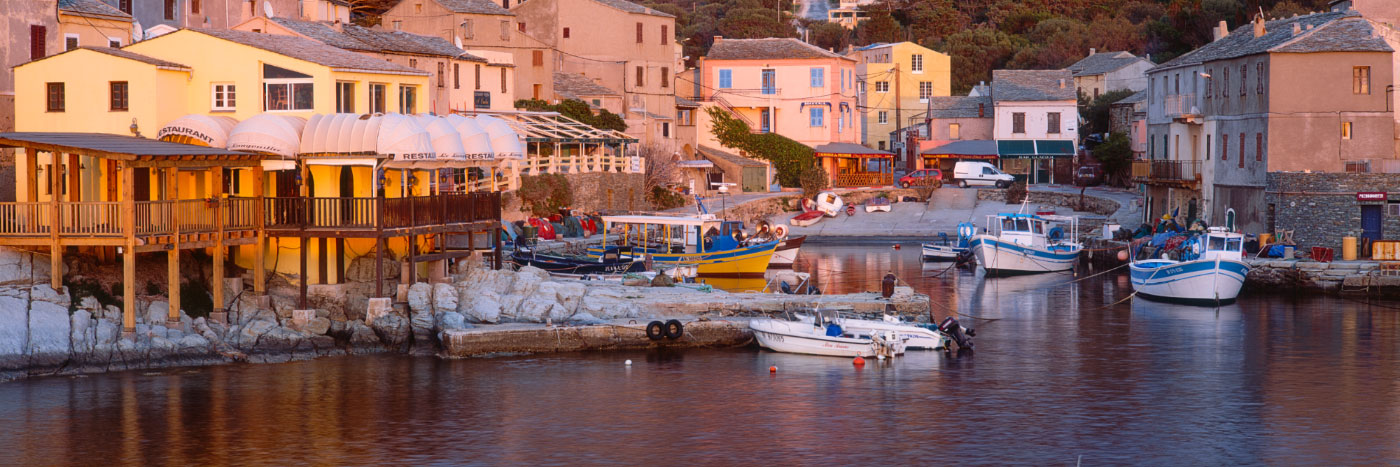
[[915, 337], [608, 264], [1027, 244], [829, 203], [824, 336], [807, 218], [946, 248], [880, 204], [1208, 270]]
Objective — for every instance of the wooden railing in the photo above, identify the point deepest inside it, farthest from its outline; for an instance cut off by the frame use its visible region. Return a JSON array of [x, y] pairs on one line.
[[97, 219], [19, 219], [864, 179], [363, 213], [1181, 171]]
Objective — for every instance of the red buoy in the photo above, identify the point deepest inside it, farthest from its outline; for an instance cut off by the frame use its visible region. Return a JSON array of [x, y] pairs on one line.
[[858, 361], [773, 369]]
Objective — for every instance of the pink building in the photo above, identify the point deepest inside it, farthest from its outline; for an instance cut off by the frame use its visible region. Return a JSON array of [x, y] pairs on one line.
[[783, 86]]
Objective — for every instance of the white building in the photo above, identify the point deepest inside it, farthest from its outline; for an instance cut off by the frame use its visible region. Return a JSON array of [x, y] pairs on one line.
[[1103, 72], [1036, 123]]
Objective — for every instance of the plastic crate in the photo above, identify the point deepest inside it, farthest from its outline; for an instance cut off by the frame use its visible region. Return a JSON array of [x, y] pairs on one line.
[[1322, 254]]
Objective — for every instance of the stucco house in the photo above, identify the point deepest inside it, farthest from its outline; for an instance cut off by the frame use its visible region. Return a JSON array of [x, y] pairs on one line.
[[899, 80], [482, 28], [1101, 72], [1035, 123], [784, 86], [960, 128]]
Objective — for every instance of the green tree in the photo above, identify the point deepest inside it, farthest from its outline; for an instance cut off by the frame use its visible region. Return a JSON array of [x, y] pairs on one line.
[[790, 158], [975, 53], [1095, 112], [830, 36], [577, 110], [879, 27], [544, 194], [1116, 155]]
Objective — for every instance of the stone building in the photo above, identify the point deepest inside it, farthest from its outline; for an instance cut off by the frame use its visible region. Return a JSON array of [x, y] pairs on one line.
[[1129, 117], [956, 119], [1320, 208], [1101, 72]]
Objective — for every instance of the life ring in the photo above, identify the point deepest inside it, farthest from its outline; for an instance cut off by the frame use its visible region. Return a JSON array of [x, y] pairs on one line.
[[780, 231], [762, 228], [674, 329], [1056, 234], [656, 330]]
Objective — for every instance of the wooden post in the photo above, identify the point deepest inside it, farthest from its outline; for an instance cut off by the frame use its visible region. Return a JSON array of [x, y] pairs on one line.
[[378, 240], [128, 175], [172, 194], [305, 217], [216, 178], [260, 248], [55, 222]]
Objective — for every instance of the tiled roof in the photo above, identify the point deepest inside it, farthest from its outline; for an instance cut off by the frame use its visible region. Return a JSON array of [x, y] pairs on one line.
[[576, 86], [1032, 85], [403, 42], [683, 102], [959, 107], [308, 50], [90, 7], [480, 7], [1241, 41], [717, 155], [1351, 34], [1140, 96], [630, 7], [321, 32], [134, 56], [766, 49], [1103, 62]]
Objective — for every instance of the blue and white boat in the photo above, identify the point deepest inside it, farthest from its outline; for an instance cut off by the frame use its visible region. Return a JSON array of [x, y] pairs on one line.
[[1211, 271], [948, 249], [1027, 244]]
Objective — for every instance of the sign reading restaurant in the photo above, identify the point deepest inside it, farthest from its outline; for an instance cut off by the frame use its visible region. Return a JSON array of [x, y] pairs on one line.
[[182, 130], [1370, 196]]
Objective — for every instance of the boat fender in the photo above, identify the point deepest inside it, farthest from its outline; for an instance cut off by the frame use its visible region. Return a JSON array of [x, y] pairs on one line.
[[674, 329], [1056, 234], [780, 231], [656, 330]]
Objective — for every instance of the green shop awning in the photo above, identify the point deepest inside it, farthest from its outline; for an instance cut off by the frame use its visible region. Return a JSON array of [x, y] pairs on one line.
[[1034, 149]]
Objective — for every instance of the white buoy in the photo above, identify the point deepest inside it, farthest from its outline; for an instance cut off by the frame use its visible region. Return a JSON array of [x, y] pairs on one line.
[[628, 363]]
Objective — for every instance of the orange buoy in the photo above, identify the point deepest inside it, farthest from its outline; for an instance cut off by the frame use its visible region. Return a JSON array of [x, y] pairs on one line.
[[1123, 255], [896, 246], [773, 369], [858, 361]]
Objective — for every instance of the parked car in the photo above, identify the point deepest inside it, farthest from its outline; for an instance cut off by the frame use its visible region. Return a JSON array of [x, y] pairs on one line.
[[1088, 175], [922, 177], [970, 173]]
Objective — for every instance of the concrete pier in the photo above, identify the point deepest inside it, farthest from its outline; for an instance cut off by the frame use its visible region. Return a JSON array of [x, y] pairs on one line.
[[535, 338]]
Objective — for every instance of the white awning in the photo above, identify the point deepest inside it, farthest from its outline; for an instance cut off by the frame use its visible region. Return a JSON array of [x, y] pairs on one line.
[[504, 140], [406, 142], [475, 141], [272, 165], [447, 143], [341, 134], [268, 133], [204, 130]]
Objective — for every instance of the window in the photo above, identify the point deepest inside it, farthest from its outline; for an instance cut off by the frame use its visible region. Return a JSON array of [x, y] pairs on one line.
[[954, 131], [413, 63], [1259, 147], [376, 97], [1244, 80], [55, 92], [1353, 167], [1176, 84], [1225, 85], [1018, 122], [505, 29], [408, 99], [345, 97], [882, 145], [916, 63], [1361, 80], [118, 96], [665, 77], [169, 9], [1346, 130], [70, 41], [665, 35], [537, 58], [286, 90], [1052, 122], [457, 75], [726, 79], [535, 90], [417, 7], [124, 6], [925, 90], [818, 77], [1241, 150], [223, 97], [194, 6], [566, 33], [503, 80], [769, 81], [882, 86], [398, 25], [1210, 77], [1207, 147], [478, 77], [639, 33], [683, 118], [442, 70], [818, 117], [1224, 147], [520, 26], [665, 129], [883, 117], [114, 42], [641, 77], [467, 29], [1259, 76]]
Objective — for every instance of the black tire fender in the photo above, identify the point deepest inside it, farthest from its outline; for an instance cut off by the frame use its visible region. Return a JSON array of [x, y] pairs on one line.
[[656, 330], [674, 329]]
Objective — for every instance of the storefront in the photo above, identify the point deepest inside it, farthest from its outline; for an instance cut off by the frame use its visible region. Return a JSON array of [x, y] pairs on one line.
[[946, 156], [852, 165], [1037, 161]]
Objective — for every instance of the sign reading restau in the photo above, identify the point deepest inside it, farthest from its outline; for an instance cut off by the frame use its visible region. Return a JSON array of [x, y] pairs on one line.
[[1370, 196]]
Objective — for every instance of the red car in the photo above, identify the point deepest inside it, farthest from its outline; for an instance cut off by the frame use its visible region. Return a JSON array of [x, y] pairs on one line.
[[922, 177]]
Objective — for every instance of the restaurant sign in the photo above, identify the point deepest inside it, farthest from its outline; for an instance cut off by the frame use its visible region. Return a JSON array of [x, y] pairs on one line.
[[483, 99], [1371, 196]]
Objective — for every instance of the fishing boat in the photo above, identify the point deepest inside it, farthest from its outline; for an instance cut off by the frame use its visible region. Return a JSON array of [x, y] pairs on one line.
[[879, 204], [609, 264], [915, 337], [829, 203], [685, 241], [807, 218], [786, 253], [1027, 244], [1209, 270], [824, 337], [947, 248]]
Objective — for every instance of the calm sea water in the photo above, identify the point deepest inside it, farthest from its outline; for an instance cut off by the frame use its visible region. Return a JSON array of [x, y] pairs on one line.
[[1060, 376]]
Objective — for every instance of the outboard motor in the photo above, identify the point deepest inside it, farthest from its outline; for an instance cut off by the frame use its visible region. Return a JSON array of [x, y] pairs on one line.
[[961, 335]]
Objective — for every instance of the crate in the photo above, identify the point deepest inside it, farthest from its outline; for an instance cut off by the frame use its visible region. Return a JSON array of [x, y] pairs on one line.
[[1385, 250], [1322, 254]]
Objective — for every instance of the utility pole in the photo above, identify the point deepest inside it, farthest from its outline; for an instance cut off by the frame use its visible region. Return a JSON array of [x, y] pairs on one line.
[[899, 120]]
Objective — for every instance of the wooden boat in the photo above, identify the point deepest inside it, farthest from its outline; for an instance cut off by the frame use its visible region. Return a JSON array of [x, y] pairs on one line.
[[786, 253], [880, 204], [1027, 244], [807, 218], [949, 249], [685, 241], [613, 264], [829, 203], [1211, 271]]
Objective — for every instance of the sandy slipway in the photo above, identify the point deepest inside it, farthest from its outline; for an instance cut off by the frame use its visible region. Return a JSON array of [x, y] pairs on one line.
[[482, 312]]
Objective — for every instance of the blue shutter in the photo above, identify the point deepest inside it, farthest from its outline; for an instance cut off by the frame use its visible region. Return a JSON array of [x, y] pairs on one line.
[[818, 77], [726, 79], [818, 116]]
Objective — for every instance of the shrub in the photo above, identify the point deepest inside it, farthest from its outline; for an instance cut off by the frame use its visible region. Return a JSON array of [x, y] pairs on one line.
[[577, 110], [544, 194], [790, 158], [663, 198], [813, 180], [1016, 194]]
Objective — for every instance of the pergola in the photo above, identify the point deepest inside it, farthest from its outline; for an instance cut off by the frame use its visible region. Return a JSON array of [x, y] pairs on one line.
[[847, 163], [541, 130], [118, 219]]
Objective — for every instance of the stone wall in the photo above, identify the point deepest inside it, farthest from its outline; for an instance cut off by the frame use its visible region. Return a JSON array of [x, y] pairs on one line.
[[1321, 208], [1091, 203], [597, 191]]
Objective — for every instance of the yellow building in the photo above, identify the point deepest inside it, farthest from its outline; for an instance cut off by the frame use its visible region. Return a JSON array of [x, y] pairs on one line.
[[898, 80], [92, 23]]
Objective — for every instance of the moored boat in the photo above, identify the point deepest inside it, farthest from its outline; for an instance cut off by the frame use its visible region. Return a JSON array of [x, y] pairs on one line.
[[1027, 244], [786, 252], [613, 264], [879, 204], [1209, 270], [685, 241], [829, 203], [827, 337], [807, 218], [914, 337], [946, 248]]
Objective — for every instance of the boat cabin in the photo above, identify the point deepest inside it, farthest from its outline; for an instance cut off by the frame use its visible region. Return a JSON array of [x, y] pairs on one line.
[[679, 234], [1033, 230], [1223, 244]]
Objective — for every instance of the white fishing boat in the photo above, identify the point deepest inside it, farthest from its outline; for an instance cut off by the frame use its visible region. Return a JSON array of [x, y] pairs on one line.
[[1027, 244], [829, 203], [880, 204], [827, 337], [786, 254], [914, 337], [948, 249], [1209, 271]]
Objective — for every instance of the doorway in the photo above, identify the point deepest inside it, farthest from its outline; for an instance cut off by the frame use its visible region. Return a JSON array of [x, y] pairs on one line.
[[1372, 226]]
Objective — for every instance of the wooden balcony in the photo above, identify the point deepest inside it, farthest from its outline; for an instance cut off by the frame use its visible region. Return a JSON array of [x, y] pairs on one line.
[[1186, 173], [381, 217], [863, 179]]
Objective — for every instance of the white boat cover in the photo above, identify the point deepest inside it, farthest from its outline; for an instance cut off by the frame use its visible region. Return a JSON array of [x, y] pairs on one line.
[[270, 134], [407, 143], [504, 140], [475, 140], [208, 130]]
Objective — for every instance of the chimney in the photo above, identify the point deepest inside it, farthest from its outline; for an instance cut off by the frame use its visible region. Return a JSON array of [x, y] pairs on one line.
[[981, 110], [1259, 26], [1093, 51], [1222, 30], [717, 38]]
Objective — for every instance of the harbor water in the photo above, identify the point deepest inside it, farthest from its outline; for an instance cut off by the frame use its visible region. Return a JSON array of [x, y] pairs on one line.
[[1065, 371]]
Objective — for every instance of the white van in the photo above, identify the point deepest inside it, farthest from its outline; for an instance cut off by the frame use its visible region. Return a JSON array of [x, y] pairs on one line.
[[968, 173]]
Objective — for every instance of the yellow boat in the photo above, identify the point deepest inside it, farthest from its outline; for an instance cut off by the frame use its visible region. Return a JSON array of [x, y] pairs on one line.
[[686, 241]]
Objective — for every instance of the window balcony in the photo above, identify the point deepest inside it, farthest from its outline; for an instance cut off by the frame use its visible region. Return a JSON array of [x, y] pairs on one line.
[[1184, 172]]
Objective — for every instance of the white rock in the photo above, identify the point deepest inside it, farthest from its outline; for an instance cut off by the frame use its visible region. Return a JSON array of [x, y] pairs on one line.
[[452, 320], [317, 326], [91, 303], [420, 297], [584, 317], [608, 303], [16, 267], [83, 334], [483, 308], [112, 313], [249, 335], [48, 333], [44, 293], [107, 332], [13, 317], [162, 343], [193, 342], [568, 294], [361, 335], [377, 307], [444, 298], [535, 309], [158, 312]]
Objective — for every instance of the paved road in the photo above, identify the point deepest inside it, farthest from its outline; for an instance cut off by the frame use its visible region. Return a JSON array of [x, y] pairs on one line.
[[717, 204], [814, 10]]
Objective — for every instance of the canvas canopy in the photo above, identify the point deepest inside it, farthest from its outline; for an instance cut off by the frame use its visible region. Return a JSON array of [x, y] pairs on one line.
[[405, 142], [447, 143], [475, 141], [200, 130], [279, 135], [504, 140]]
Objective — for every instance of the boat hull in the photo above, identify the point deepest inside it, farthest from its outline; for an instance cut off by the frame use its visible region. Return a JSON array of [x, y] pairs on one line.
[[743, 262], [800, 338], [941, 252], [564, 266], [786, 253], [914, 337], [1200, 282], [877, 208], [1005, 258]]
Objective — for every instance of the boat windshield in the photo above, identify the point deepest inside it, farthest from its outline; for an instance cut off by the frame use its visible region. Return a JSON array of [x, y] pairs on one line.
[[1022, 225], [1234, 244], [1038, 227], [1008, 224], [1216, 243]]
